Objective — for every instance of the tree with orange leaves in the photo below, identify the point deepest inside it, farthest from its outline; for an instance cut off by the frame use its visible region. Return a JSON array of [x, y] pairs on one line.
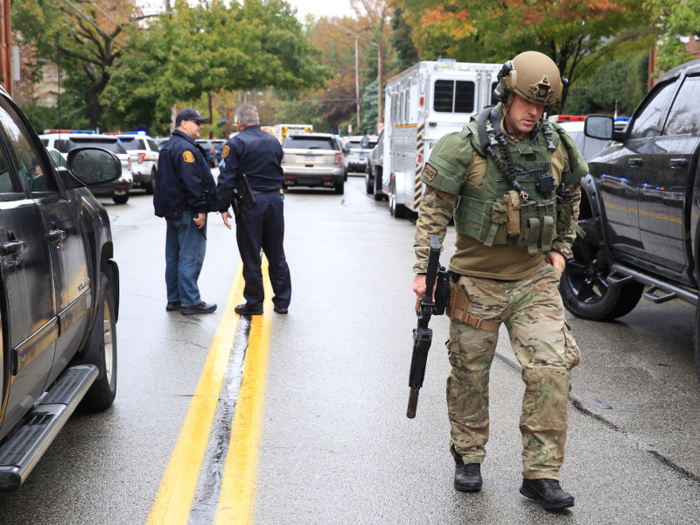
[[574, 33]]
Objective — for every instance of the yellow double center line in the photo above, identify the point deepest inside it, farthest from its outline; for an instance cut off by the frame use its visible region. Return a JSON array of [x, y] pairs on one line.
[[176, 493]]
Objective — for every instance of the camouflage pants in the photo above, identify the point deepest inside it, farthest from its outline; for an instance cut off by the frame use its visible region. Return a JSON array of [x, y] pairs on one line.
[[533, 313]]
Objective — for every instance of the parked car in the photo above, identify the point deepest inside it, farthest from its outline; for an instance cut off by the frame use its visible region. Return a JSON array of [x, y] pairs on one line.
[[146, 162], [573, 125], [213, 149], [59, 298], [160, 141], [357, 156], [373, 178], [314, 159], [641, 207], [66, 141]]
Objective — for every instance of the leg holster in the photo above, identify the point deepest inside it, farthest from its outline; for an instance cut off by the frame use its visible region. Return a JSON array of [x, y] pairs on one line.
[[457, 310]]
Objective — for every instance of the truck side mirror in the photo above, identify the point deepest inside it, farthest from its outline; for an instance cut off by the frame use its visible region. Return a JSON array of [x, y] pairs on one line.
[[599, 127], [92, 166]]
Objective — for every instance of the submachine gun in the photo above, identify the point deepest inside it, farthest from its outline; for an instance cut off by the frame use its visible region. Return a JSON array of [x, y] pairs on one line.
[[437, 278]]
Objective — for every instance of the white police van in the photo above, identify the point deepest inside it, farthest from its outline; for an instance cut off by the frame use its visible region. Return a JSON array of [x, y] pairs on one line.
[[423, 103]]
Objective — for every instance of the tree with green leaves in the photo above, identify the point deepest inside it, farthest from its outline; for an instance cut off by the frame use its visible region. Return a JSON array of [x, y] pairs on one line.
[[677, 19], [210, 48], [84, 37]]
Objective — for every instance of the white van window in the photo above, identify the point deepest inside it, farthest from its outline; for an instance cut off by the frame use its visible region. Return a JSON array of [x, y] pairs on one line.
[[454, 96]]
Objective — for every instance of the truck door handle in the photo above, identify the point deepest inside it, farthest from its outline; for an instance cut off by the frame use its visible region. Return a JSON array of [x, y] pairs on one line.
[[636, 162], [678, 163], [12, 247], [57, 235]]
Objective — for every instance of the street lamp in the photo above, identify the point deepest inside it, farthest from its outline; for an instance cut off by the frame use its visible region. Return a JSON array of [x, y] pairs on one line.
[[380, 74]]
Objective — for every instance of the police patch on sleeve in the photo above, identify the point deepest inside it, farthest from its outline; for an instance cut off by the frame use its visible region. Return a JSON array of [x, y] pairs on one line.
[[188, 156], [429, 172], [224, 152]]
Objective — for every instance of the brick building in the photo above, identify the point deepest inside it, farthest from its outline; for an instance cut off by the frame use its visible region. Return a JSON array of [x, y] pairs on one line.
[[692, 46]]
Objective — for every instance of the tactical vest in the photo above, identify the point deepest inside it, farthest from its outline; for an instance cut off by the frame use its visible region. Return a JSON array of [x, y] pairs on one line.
[[495, 214]]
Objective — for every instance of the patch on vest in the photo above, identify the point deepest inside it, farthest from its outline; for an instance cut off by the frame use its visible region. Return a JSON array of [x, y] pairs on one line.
[[224, 152], [429, 172], [188, 156]]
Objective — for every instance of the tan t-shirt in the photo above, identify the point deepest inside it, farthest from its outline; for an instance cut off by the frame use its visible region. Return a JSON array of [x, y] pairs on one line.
[[504, 262]]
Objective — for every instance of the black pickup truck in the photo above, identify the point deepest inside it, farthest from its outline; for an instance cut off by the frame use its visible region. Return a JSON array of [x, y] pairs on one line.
[[59, 292], [641, 207]]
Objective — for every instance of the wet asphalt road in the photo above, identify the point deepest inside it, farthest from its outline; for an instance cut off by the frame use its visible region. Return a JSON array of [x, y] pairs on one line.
[[336, 444]]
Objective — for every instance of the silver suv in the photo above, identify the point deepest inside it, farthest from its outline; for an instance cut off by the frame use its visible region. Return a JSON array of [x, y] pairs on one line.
[[314, 159]]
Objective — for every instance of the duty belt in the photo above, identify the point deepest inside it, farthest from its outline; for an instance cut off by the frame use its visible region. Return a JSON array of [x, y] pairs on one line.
[[459, 303]]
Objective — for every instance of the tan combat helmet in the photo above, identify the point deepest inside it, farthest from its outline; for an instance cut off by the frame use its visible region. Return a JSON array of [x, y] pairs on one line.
[[532, 75]]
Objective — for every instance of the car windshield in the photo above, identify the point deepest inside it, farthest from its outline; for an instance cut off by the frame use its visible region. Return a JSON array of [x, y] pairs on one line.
[[356, 144], [112, 145], [306, 142], [132, 143]]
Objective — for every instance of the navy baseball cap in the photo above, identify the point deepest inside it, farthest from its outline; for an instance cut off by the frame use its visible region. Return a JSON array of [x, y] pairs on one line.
[[190, 114]]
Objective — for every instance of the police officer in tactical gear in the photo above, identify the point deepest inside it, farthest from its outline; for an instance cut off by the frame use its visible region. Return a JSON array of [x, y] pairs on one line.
[[511, 181], [184, 192], [251, 180]]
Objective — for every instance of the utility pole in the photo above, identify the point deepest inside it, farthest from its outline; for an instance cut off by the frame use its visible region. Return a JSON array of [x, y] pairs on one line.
[[5, 46], [357, 80]]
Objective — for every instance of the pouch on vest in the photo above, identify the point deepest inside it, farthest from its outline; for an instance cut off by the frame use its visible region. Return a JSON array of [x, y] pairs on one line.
[[512, 200], [499, 216]]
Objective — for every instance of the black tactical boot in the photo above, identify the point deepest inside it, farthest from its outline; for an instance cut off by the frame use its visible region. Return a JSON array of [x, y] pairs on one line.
[[467, 477], [548, 492]]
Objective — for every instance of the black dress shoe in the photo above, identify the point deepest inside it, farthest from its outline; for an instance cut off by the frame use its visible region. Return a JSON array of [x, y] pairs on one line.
[[548, 492], [173, 305], [201, 308], [280, 310], [244, 309], [468, 477]]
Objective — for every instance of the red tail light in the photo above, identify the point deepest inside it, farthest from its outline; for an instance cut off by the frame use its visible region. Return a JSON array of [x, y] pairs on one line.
[[142, 157], [338, 158], [420, 158]]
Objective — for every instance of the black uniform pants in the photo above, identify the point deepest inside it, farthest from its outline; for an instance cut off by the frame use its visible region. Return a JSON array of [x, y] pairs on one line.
[[261, 226]]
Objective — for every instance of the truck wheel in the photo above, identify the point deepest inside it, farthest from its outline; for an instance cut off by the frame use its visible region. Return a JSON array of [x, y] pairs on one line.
[[397, 211], [120, 199], [377, 189], [584, 287], [697, 340], [369, 183], [340, 188], [102, 351], [151, 186]]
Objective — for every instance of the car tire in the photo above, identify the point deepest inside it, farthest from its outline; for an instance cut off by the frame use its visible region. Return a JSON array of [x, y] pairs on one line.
[[120, 199], [697, 340], [369, 183], [377, 187], [584, 287], [151, 186], [340, 188], [102, 351], [398, 211]]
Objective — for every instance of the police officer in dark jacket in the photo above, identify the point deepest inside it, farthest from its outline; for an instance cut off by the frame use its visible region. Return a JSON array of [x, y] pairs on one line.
[[256, 155], [185, 191]]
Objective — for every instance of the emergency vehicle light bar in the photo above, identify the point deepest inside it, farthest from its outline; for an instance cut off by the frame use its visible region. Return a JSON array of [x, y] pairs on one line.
[[74, 131], [567, 118]]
